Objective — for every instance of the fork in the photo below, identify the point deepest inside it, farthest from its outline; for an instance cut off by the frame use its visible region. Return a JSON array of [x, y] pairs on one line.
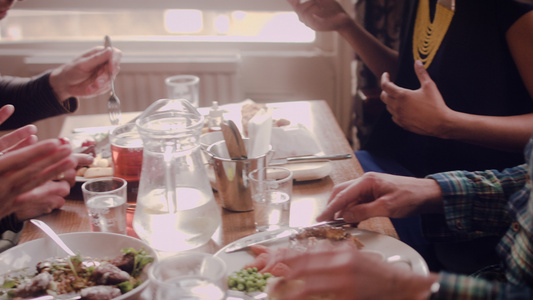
[[113, 103]]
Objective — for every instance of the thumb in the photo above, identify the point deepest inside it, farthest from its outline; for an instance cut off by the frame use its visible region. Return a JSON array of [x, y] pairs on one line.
[[421, 73]]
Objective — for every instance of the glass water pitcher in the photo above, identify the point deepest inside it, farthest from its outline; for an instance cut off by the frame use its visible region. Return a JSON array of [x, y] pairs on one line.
[[175, 209]]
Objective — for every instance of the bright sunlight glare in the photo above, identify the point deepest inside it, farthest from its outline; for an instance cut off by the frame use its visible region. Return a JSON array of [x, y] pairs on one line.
[[183, 20]]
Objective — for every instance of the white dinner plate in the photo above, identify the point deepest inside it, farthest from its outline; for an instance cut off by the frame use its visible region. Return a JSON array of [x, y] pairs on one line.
[[89, 244], [393, 249]]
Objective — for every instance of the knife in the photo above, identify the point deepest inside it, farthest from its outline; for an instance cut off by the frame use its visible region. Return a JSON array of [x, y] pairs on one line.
[[311, 158], [264, 238], [100, 129], [233, 138], [93, 130]]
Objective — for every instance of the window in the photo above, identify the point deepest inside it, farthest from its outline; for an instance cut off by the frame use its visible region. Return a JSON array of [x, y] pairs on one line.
[[160, 20]]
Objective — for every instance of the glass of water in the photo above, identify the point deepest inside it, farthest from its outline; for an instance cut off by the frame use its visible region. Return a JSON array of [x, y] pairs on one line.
[[184, 87], [189, 275], [105, 199], [271, 194]]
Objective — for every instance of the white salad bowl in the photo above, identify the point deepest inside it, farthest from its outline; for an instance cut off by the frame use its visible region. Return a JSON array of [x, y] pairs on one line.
[[97, 245]]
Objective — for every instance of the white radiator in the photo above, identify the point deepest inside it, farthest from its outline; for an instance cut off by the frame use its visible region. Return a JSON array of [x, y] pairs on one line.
[[140, 82]]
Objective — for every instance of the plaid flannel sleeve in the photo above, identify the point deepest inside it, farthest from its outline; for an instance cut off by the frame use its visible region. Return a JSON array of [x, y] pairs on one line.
[[468, 288], [475, 203]]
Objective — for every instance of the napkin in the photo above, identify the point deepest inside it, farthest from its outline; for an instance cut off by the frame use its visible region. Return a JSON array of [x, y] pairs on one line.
[[294, 140], [259, 133]]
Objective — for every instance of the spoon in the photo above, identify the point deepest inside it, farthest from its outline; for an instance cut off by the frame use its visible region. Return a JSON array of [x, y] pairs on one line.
[[44, 227]]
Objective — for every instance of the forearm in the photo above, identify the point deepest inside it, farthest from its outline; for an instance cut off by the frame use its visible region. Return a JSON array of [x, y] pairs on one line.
[[33, 99], [57, 81], [376, 56], [509, 133], [477, 201]]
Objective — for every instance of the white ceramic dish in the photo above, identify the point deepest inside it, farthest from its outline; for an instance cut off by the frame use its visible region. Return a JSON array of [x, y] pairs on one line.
[[309, 170], [390, 248], [92, 244]]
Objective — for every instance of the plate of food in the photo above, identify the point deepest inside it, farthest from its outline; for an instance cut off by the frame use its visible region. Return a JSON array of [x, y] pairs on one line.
[[99, 147], [390, 249], [101, 167], [25, 269]]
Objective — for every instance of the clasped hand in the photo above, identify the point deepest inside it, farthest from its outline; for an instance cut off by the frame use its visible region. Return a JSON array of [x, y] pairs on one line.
[[29, 170]]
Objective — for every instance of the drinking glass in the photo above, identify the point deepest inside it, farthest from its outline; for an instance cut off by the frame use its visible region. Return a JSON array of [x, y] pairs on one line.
[[271, 193], [105, 199], [183, 87], [189, 275], [127, 152]]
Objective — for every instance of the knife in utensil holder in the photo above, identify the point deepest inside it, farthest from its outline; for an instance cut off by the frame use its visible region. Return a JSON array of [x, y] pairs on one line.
[[234, 141]]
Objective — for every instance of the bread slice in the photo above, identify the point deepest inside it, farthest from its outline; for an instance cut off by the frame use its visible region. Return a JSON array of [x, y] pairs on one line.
[[98, 172]]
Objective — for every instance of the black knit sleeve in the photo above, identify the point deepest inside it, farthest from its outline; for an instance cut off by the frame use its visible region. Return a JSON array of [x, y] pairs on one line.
[[10, 231], [511, 11], [33, 99], [10, 223]]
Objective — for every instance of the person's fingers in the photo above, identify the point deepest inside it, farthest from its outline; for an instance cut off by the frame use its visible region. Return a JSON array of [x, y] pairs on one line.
[[56, 163], [31, 140], [38, 178], [59, 188], [19, 159], [15, 138], [98, 83], [293, 3], [41, 200], [351, 194], [338, 188], [300, 5], [93, 51], [422, 73], [385, 85], [114, 64], [5, 112], [307, 11], [96, 60], [34, 161], [83, 159], [339, 202], [363, 211], [392, 90], [68, 176]]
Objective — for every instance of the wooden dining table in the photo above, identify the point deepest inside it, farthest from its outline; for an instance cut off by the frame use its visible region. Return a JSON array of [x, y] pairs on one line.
[[309, 197]]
